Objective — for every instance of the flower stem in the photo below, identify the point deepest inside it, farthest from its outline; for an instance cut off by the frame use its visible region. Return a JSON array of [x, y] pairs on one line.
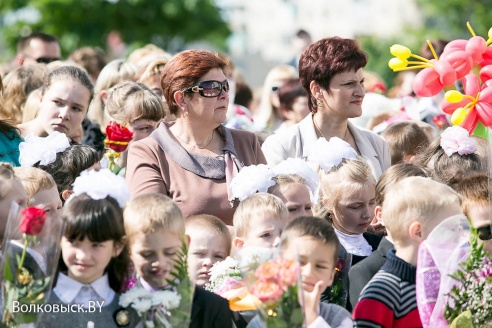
[[23, 256]]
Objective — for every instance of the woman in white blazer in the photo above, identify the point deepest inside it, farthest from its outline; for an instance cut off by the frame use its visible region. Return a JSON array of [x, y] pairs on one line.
[[331, 72]]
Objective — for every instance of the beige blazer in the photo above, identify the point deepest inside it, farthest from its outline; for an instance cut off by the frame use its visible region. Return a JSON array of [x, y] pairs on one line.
[[296, 141]]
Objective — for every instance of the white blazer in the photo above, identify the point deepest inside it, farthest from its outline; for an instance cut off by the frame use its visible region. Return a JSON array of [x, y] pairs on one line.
[[296, 141]]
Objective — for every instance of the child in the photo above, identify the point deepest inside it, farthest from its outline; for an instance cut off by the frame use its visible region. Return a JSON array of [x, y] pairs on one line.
[[411, 209], [405, 139], [65, 97], [40, 188], [259, 220], [474, 190], [451, 155], [155, 229], [11, 191], [314, 243], [361, 273], [135, 105], [94, 255], [210, 242]]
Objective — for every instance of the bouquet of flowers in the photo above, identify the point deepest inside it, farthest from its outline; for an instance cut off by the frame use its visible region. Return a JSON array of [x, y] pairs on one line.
[[165, 308], [30, 258], [275, 283], [338, 292], [469, 303], [226, 281], [117, 139]]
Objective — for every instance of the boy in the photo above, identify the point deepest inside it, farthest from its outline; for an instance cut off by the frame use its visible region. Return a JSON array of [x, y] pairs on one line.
[[314, 243], [155, 229], [412, 208], [210, 242], [259, 221]]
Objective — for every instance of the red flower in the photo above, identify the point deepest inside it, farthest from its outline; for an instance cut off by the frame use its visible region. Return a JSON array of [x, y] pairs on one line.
[[32, 220], [117, 137]]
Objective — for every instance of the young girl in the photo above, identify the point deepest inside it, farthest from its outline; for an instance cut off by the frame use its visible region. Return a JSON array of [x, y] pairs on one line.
[[11, 191], [65, 97], [296, 185], [347, 196], [94, 257]]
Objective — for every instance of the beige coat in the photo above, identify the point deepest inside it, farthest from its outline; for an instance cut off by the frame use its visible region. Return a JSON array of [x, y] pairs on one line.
[[149, 170], [296, 141]]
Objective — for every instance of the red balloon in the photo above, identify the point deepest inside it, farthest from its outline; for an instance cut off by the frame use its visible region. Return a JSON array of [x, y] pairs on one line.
[[460, 60], [485, 112], [471, 84], [486, 73], [458, 44], [487, 57], [427, 83], [449, 107], [486, 95], [470, 121], [476, 46], [446, 72]]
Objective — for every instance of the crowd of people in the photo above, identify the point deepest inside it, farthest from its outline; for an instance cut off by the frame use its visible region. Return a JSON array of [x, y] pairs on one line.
[[293, 171]]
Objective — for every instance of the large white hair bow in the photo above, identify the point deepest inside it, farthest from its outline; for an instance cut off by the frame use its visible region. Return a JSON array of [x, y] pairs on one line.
[[301, 168], [37, 149], [100, 184], [252, 179], [456, 139], [328, 154]]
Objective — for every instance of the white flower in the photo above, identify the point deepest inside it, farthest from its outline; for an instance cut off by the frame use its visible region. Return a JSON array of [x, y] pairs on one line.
[[142, 306], [251, 257], [251, 179], [133, 295], [43, 150], [166, 298], [100, 184], [328, 154]]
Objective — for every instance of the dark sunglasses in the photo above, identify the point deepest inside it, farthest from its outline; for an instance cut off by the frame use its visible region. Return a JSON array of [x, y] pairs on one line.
[[484, 233], [210, 89], [46, 60]]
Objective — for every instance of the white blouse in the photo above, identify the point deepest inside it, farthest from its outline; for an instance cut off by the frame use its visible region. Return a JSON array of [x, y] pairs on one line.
[[354, 244], [70, 291]]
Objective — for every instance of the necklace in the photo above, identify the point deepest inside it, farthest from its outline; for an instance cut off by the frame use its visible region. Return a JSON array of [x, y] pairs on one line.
[[196, 146], [319, 130]]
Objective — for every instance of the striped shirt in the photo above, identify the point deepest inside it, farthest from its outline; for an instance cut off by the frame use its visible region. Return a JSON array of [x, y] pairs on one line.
[[389, 299]]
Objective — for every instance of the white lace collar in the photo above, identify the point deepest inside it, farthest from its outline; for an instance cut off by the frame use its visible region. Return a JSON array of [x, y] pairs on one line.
[[354, 244]]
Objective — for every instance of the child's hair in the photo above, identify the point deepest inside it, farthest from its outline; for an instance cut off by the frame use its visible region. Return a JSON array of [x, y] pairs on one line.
[[7, 177], [114, 72], [152, 72], [347, 178], [31, 107], [149, 213], [91, 58], [68, 165], [283, 179], [99, 220], [404, 138], [34, 180], [444, 168], [68, 72], [474, 190], [210, 223], [289, 92], [414, 199], [131, 101], [313, 227], [394, 174], [258, 204]]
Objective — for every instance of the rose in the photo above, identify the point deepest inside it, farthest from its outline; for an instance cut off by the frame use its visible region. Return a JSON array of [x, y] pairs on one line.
[[118, 137], [32, 220], [289, 272], [267, 291], [267, 271]]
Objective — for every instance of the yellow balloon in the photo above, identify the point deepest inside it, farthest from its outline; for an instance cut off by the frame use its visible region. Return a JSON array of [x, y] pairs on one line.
[[458, 116], [490, 33], [453, 96], [396, 63], [400, 51]]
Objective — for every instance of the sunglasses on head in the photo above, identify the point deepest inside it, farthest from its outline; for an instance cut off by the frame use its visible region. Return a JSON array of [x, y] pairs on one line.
[[46, 60], [484, 233], [210, 89]]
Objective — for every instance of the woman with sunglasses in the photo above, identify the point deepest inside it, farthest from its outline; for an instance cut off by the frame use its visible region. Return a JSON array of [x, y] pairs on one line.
[[193, 159], [331, 73]]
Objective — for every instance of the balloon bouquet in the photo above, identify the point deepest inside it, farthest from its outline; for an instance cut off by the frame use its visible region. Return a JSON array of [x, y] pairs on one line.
[[467, 60]]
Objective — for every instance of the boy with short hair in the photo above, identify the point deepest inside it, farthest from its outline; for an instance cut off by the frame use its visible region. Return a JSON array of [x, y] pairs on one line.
[[259, 221], [412, 208], [313, 242], [155, 230], [210, 242]]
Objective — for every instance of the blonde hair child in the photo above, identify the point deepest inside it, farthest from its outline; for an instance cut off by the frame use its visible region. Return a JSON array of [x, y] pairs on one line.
[[210, 242], [11, 190]]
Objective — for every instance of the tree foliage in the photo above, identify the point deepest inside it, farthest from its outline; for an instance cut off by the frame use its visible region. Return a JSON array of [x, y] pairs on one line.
[[447, 19], [165, 23]]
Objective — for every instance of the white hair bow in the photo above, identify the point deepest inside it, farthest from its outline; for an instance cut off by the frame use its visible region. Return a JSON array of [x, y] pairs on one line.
[[101, 184], [37, 149], [252, 179], [328, 154]]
